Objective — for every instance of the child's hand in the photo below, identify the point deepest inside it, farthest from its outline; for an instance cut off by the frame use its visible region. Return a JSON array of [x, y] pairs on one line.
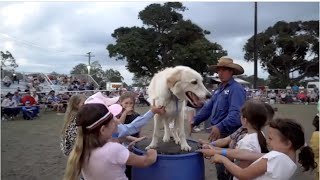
[[158, 110], [207, 146], [152, 155], [206, 152], [135, 141], [217, 158], [202, 142], [129, 109]]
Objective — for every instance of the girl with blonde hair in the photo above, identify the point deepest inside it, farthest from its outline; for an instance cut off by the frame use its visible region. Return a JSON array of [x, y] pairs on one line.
[[94, 155], [69, 130]]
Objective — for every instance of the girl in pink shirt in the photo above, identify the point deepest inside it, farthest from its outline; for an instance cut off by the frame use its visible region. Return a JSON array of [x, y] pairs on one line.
[[94, 155]]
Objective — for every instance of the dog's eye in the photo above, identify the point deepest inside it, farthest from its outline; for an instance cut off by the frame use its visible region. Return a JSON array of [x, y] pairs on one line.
[[193, 82]]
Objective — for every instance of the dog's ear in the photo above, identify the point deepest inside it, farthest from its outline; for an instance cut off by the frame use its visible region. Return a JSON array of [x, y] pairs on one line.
[[173, 79]]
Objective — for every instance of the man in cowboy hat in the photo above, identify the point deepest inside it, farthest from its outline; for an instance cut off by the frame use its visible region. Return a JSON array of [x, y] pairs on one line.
[[223, 109]]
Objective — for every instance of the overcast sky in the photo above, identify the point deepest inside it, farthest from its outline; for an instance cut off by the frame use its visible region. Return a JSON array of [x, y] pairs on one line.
[[55, 36]]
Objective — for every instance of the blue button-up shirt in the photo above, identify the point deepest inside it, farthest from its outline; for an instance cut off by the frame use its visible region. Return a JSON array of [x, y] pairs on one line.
[[224, 108], [135, 126]]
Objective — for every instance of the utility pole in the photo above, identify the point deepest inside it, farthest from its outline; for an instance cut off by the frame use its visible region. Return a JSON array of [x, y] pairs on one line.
[[89, 64], [255, 53]]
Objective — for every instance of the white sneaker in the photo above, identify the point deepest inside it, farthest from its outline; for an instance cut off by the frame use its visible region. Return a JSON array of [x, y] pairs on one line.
[[196, 129]]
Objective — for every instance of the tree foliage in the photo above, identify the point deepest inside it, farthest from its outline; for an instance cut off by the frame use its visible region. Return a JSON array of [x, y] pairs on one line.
[[250, 79], [288, 51], [7, 60], [79, 69], [140, 81], [165, 40], [113, 75], [97, 73]]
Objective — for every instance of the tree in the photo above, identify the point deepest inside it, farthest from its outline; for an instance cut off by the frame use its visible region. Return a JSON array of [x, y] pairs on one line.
[[113, 76], [260, 81], [96, 71], [287, 49], [166, 40], [7, 60], [53, 73], [79, 69], [140, 81]]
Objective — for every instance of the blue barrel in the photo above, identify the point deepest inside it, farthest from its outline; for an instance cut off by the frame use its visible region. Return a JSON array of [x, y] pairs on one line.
[[188, 166]]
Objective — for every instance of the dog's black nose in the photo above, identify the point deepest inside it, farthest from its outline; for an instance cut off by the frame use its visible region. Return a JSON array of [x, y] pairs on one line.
[[208, 96]]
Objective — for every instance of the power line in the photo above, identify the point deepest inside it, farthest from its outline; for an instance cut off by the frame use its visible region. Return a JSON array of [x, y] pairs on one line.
[[33, 45]]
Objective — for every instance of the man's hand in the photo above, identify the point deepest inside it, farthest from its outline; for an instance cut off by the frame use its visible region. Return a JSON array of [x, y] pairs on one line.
[[215, 134]]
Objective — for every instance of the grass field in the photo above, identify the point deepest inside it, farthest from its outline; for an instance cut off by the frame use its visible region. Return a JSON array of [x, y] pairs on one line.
[[30, 149]]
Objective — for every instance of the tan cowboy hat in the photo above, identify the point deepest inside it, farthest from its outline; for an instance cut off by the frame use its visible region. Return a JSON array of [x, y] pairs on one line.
[[227, 62]]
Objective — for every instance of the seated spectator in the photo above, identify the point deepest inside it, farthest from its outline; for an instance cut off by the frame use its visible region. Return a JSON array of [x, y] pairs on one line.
[[82, 87], [9, 107], [54, 101], [301, 88], [70, 87], [272, 95], [29, 98], [35, 96], [91, 86], [29, 111], [302, 97], [7, 81], [295, 89], [17, 98]]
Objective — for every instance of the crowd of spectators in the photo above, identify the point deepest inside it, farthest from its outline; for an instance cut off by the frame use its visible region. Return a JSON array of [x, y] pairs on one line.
[[72, 83], [294, 94]]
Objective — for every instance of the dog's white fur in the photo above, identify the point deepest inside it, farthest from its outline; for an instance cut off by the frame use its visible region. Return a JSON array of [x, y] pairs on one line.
[[168, 88]]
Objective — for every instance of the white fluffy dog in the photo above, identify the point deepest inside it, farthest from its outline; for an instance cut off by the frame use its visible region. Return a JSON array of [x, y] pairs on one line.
[[171, 88]]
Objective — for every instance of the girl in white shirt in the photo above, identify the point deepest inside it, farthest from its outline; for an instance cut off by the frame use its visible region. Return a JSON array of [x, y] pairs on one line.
[[94, 155], [285, 137], [253, 119]]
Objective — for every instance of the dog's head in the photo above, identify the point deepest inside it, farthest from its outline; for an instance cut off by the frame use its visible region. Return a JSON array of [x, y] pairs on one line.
[[186, 84]]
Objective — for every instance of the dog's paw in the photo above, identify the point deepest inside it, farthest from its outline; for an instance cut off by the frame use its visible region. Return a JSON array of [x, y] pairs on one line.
[[151, 146], [177, 141], [185, 147], [166, 138]]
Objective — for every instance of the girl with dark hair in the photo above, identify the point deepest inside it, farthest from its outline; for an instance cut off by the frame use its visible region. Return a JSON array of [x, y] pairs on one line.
[[253, 118], [94, 154], [285, 137]]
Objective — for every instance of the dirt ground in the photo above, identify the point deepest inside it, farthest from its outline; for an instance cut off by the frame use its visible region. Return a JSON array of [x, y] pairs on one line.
[[30, 149]]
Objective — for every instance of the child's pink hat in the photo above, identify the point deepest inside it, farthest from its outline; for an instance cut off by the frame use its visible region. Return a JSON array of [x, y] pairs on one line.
[[110, 103]]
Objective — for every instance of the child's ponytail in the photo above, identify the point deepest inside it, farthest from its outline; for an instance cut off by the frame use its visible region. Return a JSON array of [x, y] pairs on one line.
[[306, 158], [262, 142]]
